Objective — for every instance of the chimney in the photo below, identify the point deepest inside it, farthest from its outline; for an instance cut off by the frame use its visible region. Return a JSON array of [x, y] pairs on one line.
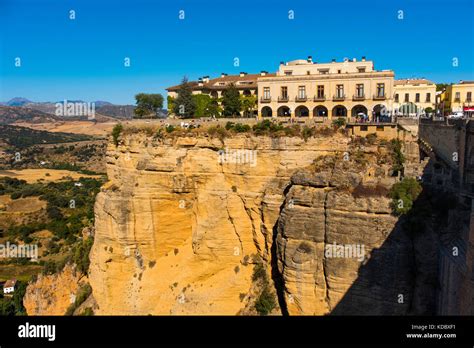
[[310, 59], [200, 82], [223, 74], [363, 58], [354, 60], [263, 73], [242, 74], [334, 60], [282, 63], [205, 79]]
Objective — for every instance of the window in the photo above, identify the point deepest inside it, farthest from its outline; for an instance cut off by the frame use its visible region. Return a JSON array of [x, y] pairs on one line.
[[361, 69], [284, 92], [288, 72], [469, 97], [339, 71], [407, 97], [308, 72], [266, 92], [323, 71], [417, 97], [364, 128], [396, 98], [457, 96], [340, 91], [428, 97], [379, 128], [360, 90], [380, 89], [301, 92], [320, 91]]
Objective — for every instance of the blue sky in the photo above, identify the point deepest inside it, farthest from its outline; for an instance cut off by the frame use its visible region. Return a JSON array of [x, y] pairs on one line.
[[84, 58]]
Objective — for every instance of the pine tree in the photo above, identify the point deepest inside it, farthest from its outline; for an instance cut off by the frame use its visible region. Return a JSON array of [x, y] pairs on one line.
[[231, 101], [184, 104]]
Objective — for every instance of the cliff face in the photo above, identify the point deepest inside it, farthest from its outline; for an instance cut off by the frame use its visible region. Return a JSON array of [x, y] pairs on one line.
[[176, 230], [52, 294]]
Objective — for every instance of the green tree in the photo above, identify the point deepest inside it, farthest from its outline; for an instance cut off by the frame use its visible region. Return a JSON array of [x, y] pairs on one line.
[[170, 101], [249, 104], [116, 132], [202, 102], [184, 104], [148, 105], [231, 101], [441, 86], [214, 109]]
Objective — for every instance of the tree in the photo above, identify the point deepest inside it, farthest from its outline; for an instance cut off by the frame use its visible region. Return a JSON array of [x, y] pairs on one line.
[[184, 104], [249, 103], [148, 105], [441, 86], [213, 108], [231, 101], [202, 102], [170, 101]]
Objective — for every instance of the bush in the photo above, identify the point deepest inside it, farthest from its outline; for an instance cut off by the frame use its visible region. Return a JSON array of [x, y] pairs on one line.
[[116, 133], [339, 122], [398, 159], [265, 302], [403, 195]]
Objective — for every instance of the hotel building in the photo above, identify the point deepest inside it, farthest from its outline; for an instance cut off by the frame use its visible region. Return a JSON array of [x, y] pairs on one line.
[[303, 88]]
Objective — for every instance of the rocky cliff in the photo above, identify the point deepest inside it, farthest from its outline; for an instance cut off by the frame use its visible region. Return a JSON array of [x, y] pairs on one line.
[[179, 226]]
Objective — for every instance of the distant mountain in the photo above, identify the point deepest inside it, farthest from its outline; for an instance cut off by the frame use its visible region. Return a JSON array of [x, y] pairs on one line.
[[100, 103], [12, 114], [18, 101]]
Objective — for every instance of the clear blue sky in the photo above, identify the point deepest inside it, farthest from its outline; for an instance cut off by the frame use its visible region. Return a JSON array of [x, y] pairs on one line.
[[84, 58]]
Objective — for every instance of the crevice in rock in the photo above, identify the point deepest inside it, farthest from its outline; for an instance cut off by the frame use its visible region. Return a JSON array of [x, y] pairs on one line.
[[276, 275]]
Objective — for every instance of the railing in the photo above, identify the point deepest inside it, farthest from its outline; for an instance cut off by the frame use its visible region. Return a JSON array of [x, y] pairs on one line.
[[320, 98], [379, 97], [457, 100], [339, 97], [283, 98], [265, 99], [300, 98], [358, 97]]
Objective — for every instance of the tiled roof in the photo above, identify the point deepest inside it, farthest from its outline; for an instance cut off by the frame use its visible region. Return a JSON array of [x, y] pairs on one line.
[[413, 82], [240, 82], [9, 283]]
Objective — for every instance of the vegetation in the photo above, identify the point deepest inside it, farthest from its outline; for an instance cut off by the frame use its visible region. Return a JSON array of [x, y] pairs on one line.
[[398, 159], [202, 102], [82, 295], [13, 305], [266, 300], [403, 195], [248, 104], [116, 133], [339, 122], [22, 137], [184, 103], [148, 105], [231, 101]]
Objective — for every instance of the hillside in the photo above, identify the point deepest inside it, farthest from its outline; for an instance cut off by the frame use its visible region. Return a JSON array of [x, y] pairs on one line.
[[12, 114]]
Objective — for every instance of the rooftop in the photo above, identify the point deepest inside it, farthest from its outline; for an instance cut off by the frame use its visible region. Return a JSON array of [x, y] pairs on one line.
[[413, 82]]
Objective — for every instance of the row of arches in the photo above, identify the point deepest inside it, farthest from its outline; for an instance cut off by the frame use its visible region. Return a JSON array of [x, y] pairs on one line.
[[322, 111]]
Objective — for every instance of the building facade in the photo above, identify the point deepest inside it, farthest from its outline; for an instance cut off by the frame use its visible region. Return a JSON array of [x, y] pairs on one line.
[[303, 88], [458, 98], [413, 97]]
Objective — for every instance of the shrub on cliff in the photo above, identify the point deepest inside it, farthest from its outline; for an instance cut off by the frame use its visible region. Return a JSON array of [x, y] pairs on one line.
[[116, 133], [265, 302], [403, 195], [338, 122], [398, 159]]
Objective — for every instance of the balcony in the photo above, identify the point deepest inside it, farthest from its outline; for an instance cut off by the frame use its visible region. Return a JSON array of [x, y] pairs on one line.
[[339, 97], [319, 98], [300, 98], [358, 97], [379, 97], [283, 99], [265, 99], [457, 100]]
